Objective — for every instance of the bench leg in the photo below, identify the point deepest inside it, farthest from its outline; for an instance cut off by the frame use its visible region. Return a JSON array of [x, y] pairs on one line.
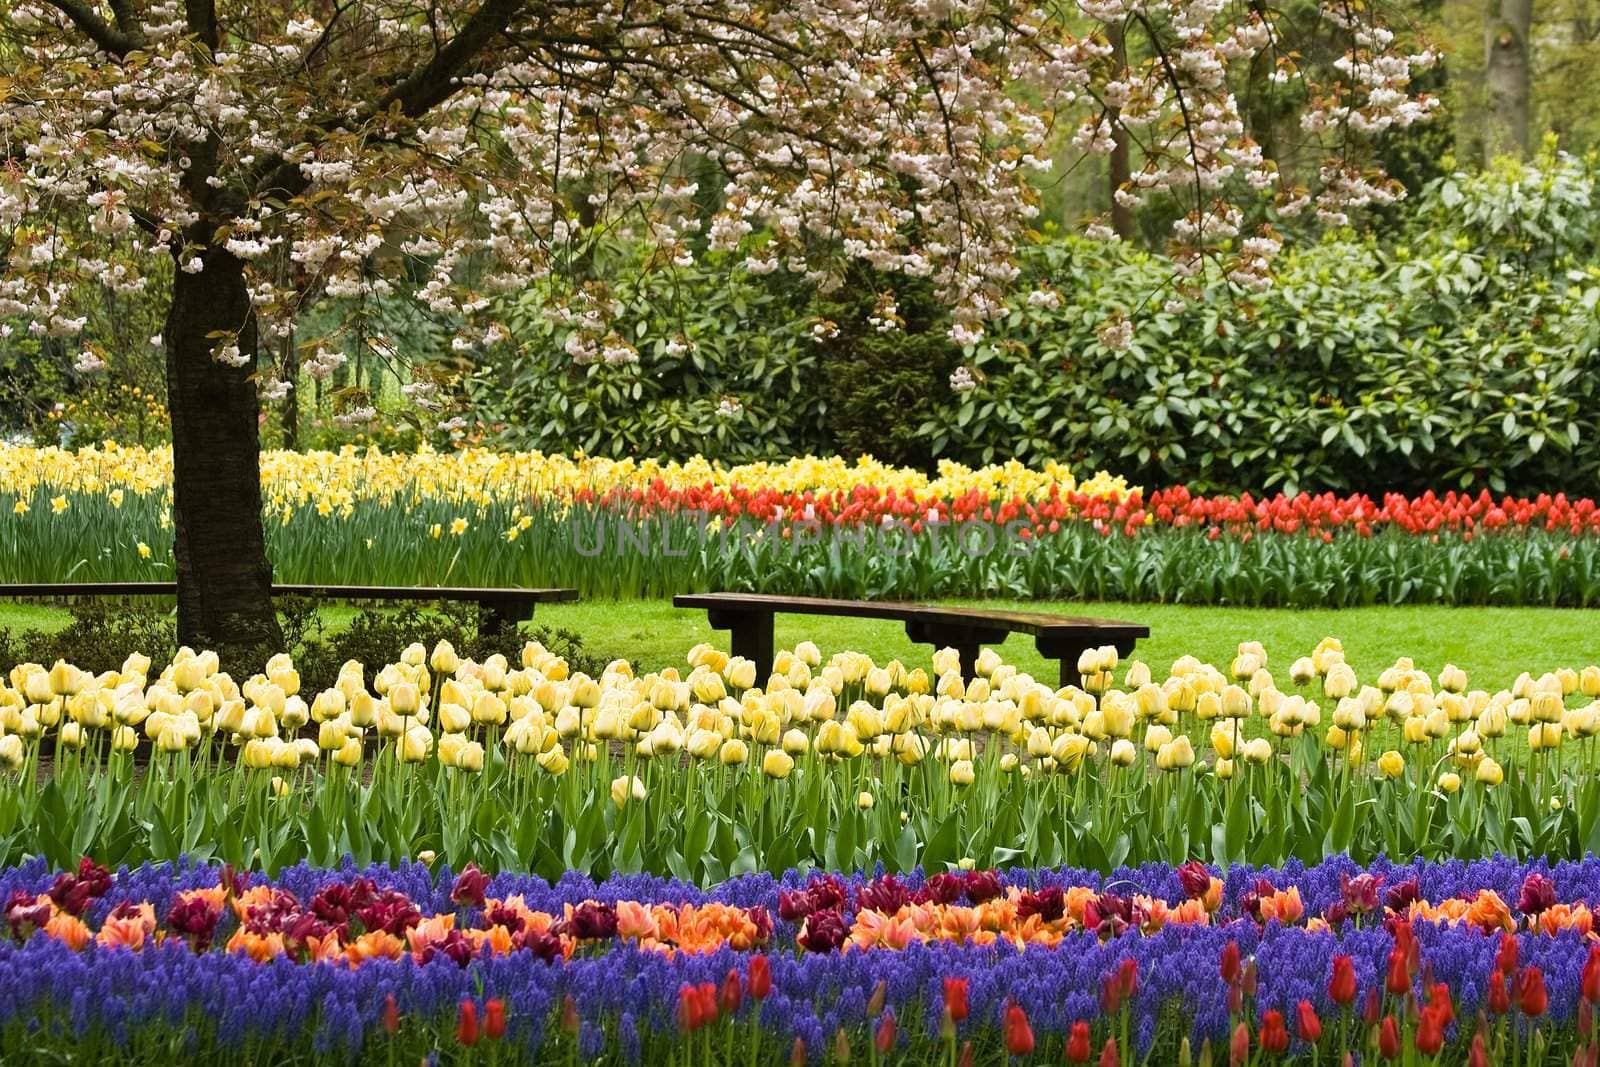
[[967, 641], [1068, 655], [1069, 665], [750, 634], [507, 614]]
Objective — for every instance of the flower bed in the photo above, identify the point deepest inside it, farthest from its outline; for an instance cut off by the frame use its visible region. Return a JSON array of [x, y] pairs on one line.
[[483, 518], [1481, 962], [842, 763]]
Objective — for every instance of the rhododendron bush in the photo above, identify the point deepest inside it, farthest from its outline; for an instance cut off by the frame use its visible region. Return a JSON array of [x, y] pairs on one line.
[[269, 151]]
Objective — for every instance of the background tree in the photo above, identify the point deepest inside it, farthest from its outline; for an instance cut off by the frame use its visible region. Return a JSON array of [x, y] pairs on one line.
[[453, 151], [1508, 76]]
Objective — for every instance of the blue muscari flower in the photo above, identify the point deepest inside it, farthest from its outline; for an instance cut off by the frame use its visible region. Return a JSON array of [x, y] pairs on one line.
[[628, 1033], [591, 1041]]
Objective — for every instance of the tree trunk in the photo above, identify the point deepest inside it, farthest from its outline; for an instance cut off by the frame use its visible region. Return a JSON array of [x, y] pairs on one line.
[[224, 579], [1259, 106], [1507, 62], [1119, 170], [289, 367]]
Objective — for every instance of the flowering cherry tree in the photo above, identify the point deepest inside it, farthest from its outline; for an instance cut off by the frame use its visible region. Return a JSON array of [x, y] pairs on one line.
[[245, 156]]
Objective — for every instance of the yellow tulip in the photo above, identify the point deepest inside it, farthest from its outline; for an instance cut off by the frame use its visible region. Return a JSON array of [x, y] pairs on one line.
[[626, 788], [777, 764], [415, 745], [470, 758], [1392, 764], [1176, 754]]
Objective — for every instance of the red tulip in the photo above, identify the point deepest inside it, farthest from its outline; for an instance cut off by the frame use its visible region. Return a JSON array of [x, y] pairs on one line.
[[1370, 1010], [706, 994], [759, 981], [797, 1052], [1399, 981], [1590, 984], [1239, 1046], [1307, 1023], [1388, 1038], [1078, 1043], [732, 993], [1439, 1003], [967, 1055], [1531, 995], [883, 1039], [1478, 1055], [1109, 1056], [1506, 958], [467, 1024], [494, 1019], [391, 1013], [1230, 962], [1128, 977], [1342, 986], [688, 1009], [1018, 1034], [1110, 995], [1499, 999], [1430, 1033], [1274, 1034], [955, 999]]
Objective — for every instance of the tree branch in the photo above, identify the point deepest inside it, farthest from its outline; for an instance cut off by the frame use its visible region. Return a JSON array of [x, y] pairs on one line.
[[127, 19], [435, 82], [109, 39]]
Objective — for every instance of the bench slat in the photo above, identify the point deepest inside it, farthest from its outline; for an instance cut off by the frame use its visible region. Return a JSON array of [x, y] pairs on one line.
[[1032, 623]]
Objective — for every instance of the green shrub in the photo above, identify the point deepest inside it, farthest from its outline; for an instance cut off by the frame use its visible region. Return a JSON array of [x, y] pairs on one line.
[[1458, 352], [102, 633]]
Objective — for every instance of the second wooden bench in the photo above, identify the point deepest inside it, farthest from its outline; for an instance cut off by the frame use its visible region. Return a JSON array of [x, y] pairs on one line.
[[748, 617]]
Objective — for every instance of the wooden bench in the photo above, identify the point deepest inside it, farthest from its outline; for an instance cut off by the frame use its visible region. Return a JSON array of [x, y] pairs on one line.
[[1059, 637], [504, 606]]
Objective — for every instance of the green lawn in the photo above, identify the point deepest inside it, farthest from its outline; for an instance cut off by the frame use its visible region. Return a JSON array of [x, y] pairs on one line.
[[1491, 644]]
